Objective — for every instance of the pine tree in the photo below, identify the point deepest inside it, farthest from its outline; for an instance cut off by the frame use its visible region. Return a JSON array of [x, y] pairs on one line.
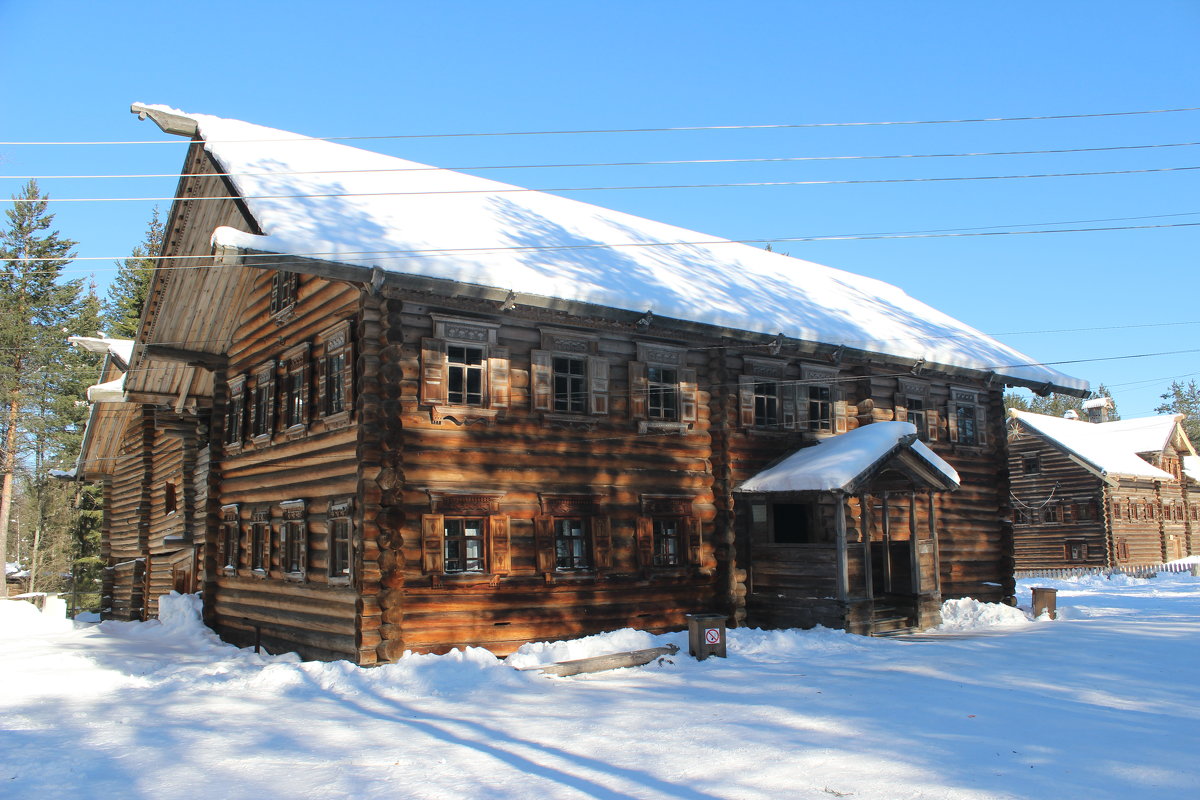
[[1183, 398], [39, 380], [129, 290], [1056, 405]]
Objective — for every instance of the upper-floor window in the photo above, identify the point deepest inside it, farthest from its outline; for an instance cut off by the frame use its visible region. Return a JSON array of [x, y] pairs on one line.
[[463, 371], [295, 387], [1031, 464], [228, 545], [262, 409], [965, 417], [335, 380], [169, 502], [235, 412], [566, 375], [285, 286], [765, 400], [662, 389], [822, 399], [913, 405], [820, 408]]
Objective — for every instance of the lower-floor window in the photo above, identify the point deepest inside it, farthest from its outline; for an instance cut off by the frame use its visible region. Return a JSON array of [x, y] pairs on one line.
[[260, 533], [667, 543], [1076, 551], [570, 544], [293, 535], [339, 547], [463, 544]]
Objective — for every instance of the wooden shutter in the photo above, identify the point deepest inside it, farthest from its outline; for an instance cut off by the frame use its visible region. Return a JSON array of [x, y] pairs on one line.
[[981, 425], [794, 400], [222, 559], [951, 421], [597, 369], [543, 537], [347, 376], [541, 380], [499, 550], [639, 388], [746, 401], [301, 531], [433, 371], [691, 538], [268, 534], [900, 407], [931, 423], [601, 542], [499, 387], [840, 410], [645, 542], [433, 533], [688, 395]]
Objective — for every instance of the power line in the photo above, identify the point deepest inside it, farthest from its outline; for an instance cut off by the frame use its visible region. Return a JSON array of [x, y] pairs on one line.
[[676, 129], [675, 162], [522, 190], [381, 255]]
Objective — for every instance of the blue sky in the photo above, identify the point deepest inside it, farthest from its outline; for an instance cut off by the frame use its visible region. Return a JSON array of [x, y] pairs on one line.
[[72, 69]]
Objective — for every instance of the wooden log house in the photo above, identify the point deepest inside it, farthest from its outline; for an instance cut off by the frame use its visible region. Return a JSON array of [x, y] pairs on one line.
[[1102, 494], [430, 410]]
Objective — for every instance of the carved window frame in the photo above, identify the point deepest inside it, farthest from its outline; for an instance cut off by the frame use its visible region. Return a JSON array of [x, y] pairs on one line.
[[296, 393], [259, 538], [821, 400], [293, 540], [657, 509], [230, 544], [495, 363], [544, 389], [460, 506], [966, 404], [665, 360], [761, 382], [914, 404], [235, 414], [285, 288], [262, 403], [339, 520], [335, 379]]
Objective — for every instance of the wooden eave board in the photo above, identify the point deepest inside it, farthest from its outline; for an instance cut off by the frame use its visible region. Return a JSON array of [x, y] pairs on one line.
[[105, 430]]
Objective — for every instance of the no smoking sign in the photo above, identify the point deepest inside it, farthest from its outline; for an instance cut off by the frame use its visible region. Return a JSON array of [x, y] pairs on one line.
[[712, 635]]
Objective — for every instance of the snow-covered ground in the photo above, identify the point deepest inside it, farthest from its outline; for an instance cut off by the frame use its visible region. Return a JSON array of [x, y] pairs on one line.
[[1102, 703]]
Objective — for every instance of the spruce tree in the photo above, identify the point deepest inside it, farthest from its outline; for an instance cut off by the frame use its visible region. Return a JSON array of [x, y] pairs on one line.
[[128, 291], [1181, 398], [39, 384]]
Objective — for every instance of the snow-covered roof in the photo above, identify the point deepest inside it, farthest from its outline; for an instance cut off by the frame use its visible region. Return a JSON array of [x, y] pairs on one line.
[[1191, 467], [339, 203], [837, 463], [1110, 447], [108, 392]]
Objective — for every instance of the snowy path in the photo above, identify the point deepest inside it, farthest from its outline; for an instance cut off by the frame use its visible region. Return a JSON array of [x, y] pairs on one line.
[[1103, 703]]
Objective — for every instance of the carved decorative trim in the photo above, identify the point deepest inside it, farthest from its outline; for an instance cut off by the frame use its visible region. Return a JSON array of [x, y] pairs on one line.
[[479, 503], [462, 415], [914, 388], [340, 507], [665, 505], [811, 373], [237, 386], [568, 341], [457, 329], [764, 368], [569, 505], [964, 395], [262, 514], [229, 513], [296, 357], [293, 509], [655, 353]]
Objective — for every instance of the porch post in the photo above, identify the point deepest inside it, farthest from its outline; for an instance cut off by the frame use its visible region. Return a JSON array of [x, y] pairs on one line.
[[887, 546], [914, 550], [864, 525], [843, 571], [937, 554]]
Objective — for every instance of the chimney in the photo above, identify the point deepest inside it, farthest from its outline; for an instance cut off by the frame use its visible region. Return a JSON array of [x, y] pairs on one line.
[[1097, 409]]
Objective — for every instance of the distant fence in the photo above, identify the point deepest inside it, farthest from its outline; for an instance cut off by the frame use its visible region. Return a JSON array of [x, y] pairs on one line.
[[1134, 571]]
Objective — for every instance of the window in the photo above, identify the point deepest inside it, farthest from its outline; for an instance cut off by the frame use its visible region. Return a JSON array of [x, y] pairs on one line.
[[293, 538], [765, 400], [262, 410], [793, 523], [570, 384], [766, 404], [169, 498], [1031, 464], [965, 418], [336, 375], [260, 541], [284, 288], [235, 412], [571, 544], [1050, 513], [464, 374], [1121, 549], [1022, 516], [912, 405], [463, 544], [569, 536], [465, 535], [820, 408], [340, 528], [295, 388], [663, 391], [1075, 550], [229, 543], [667, 542]]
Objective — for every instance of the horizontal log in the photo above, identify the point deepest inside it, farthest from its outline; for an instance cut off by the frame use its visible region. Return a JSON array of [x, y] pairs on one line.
[[581, 666]]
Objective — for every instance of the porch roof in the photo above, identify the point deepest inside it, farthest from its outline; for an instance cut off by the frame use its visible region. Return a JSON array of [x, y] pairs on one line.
[[847, 462]]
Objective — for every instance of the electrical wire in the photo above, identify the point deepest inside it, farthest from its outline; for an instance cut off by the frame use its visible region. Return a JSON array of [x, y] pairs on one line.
[[522, 190], [682, 162], [676, 129]]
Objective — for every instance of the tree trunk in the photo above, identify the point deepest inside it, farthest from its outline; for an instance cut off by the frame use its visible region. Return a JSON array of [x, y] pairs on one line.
[[6, 491]]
